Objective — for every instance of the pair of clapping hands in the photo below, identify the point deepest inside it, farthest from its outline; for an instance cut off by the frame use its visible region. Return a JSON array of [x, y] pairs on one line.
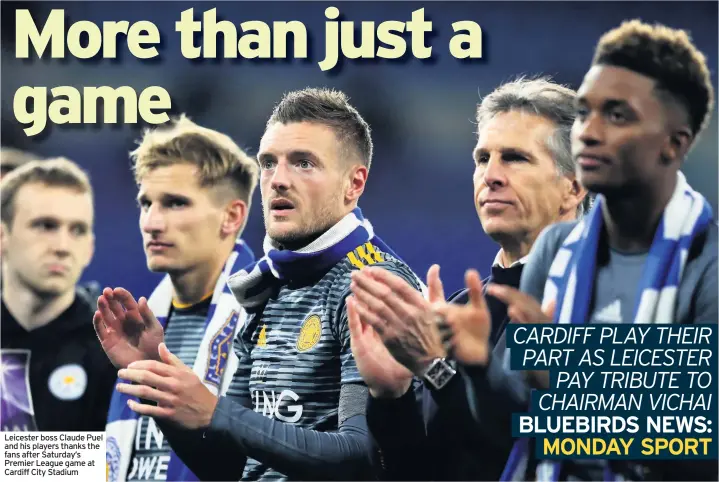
[[133, 340], [396, 333]]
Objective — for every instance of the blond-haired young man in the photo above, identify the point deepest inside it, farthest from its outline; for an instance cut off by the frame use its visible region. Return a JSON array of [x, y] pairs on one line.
[[195, 191]]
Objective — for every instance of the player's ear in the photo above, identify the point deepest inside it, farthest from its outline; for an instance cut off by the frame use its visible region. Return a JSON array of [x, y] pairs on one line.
[[573, 194], [357, 177], [676, 145], [234, 217]]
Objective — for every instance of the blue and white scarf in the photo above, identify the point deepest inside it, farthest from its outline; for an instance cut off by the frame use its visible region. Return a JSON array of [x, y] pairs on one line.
[[214, 358], [253, 285], [571, 284]]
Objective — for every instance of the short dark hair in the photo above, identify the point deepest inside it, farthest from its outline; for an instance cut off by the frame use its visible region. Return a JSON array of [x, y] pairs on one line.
[[667, 56], [331, 108]]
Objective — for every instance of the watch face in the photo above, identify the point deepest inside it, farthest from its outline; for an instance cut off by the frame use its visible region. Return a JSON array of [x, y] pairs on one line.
[[444, 377], [439, 374]]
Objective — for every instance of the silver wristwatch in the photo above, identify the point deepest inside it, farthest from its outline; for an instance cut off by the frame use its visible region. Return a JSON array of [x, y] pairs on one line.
[[439, 373]]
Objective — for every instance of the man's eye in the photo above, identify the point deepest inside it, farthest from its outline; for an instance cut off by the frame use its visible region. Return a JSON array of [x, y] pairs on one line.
[[617, 117], [515, 158], [79, 230], [45, 225]]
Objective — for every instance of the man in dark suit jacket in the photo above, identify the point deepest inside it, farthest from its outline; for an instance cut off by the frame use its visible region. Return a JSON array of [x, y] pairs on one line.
[[523, 181]]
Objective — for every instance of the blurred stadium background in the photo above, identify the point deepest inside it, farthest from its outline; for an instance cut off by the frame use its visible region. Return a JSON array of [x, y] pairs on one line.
[[419, 194]]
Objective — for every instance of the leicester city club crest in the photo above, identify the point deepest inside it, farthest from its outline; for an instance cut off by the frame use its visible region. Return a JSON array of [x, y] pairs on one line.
[[68, 382], [310, 333], [112, 460]]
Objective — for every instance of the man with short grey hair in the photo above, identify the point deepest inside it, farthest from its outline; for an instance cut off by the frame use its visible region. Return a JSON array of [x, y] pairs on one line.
[[523, 181]]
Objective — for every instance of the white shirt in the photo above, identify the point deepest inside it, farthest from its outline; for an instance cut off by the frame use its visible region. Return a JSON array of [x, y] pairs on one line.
[[498, 260]]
